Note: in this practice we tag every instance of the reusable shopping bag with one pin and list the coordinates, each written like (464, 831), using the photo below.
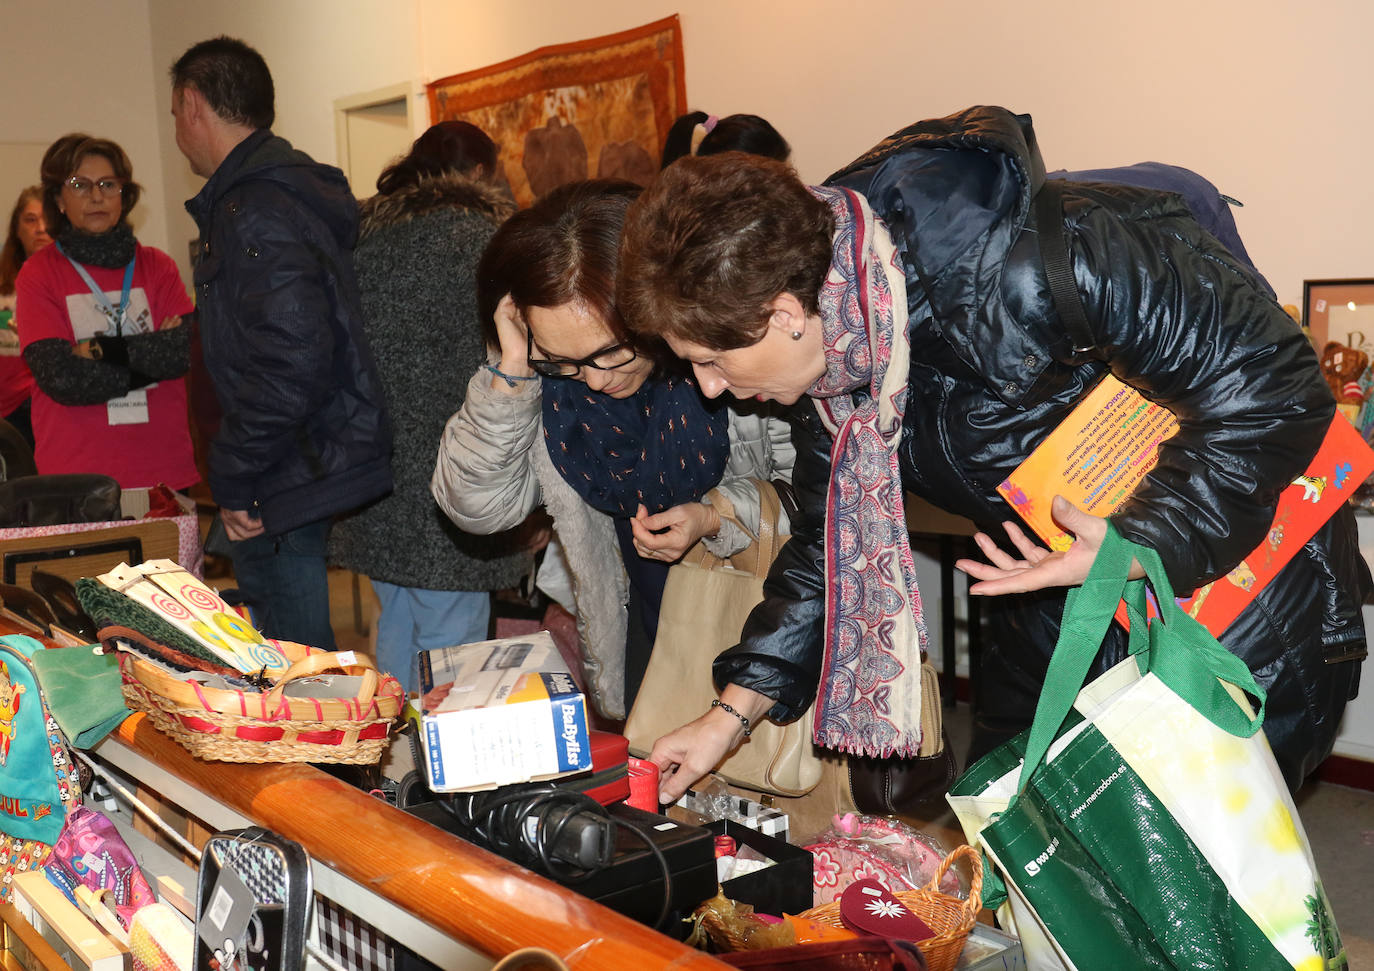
(1142, 822)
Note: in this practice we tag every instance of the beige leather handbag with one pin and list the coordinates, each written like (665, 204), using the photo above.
(705, 603)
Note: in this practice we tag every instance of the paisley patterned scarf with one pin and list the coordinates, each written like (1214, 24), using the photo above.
(661, 446)
(869, 701)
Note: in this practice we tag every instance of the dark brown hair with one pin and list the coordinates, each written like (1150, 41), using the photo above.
(64, 157)
(733, 133)
(449, 146)
(232, 77)
(12, 255)
(709, 246)
(563, 249)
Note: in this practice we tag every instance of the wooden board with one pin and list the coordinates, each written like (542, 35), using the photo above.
(89, 553)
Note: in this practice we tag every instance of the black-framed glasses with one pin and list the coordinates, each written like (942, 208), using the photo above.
(83, 187)
(606, 359)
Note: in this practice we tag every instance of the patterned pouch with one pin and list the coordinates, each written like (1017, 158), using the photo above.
(91, 853)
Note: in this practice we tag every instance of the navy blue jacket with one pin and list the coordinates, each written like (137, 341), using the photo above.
(304, 433)
(992, 373)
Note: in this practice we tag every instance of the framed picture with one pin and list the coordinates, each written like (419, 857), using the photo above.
(592, 108)
(1340, 311)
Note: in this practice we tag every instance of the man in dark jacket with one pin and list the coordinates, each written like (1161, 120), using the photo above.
(304, 434)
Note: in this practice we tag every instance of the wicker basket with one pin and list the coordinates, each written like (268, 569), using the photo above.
(949, 917)
(228, 725)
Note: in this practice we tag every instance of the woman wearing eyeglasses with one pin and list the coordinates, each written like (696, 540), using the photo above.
(569, 413)
(99, 323)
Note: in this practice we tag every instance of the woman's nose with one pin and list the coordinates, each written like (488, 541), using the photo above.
(710, 383)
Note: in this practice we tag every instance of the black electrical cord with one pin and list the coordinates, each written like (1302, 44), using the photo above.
(501, 821)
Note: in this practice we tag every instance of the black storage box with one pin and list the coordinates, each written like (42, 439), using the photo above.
(785, 887)
(632, 883)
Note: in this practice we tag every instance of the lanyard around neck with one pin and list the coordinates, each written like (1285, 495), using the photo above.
(116, 316)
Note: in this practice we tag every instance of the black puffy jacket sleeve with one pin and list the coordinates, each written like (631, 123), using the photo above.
(1180, 321)
(781, 645)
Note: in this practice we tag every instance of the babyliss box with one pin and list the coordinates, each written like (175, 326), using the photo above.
(499, 712)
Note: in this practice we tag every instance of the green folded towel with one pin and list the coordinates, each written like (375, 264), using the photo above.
(82, 691)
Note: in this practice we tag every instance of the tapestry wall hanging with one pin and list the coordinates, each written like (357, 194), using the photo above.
(597, 108)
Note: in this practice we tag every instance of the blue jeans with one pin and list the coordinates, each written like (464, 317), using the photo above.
(416, 620)
(284, 581)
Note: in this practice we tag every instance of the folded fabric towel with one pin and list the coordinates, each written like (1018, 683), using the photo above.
(82, 691)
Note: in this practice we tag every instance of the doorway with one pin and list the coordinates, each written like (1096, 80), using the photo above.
(372, 130)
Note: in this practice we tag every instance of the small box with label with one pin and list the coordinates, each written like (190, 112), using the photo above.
(499, 712)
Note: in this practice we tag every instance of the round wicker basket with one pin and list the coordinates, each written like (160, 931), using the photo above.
(230, 725)
(949, 917)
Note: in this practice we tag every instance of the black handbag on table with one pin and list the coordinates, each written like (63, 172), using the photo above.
(52, 500)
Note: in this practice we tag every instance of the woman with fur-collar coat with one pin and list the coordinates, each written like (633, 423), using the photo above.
(419, 243)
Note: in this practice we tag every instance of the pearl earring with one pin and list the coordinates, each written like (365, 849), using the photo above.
(796, 335)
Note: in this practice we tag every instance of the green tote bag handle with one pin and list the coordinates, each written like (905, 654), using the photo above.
(1173, 646)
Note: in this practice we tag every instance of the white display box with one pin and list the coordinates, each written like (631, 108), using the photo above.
(499, 712)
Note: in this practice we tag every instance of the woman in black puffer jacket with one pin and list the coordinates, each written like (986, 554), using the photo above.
(774, 290)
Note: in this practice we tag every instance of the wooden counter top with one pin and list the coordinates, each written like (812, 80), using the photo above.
(483, 900)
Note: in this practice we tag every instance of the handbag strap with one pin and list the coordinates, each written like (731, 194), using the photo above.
(759, 555)
(1172, 646)
(1054, 255)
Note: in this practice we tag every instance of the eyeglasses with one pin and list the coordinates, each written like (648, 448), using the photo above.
(607, 359)
(83, 187)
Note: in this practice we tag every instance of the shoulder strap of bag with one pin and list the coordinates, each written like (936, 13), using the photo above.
(1172, 646)
(1054, 253)
(761, 553)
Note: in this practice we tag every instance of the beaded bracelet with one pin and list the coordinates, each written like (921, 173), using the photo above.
(510, 379)
(717, 703)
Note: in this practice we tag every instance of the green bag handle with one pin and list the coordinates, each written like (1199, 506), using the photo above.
(1174, 647)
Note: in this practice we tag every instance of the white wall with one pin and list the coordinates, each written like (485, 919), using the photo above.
(318, 50)
(83, 66)
(1268, 99)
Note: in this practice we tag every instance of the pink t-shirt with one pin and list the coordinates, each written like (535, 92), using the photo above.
(139, 443)
(16, 383)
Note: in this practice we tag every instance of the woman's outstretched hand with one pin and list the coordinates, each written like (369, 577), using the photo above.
(688, 753)
(1038, 567)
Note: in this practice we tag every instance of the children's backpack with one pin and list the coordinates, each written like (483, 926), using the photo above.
(38, 782)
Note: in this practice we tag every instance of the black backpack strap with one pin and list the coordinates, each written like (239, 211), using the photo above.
(1054, 253)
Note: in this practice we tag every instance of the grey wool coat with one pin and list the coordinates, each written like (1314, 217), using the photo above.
(416, 261)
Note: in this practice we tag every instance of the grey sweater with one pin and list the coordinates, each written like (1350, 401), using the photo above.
(416, 261)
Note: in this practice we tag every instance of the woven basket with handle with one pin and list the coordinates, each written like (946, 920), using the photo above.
(949, 917)
(233, 725)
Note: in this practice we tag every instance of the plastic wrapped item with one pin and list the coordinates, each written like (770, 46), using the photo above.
(713, 799)
(898, 856)
(727, 925)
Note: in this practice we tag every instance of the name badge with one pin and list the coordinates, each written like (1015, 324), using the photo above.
(132, 409)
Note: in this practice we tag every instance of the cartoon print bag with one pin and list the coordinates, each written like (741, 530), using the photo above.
(38, 783)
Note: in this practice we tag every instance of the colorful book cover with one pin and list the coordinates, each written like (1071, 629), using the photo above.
(1099, 454)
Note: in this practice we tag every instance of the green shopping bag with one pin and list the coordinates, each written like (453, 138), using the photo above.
(1142, 822)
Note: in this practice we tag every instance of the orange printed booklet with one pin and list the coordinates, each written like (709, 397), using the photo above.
(1099, 454)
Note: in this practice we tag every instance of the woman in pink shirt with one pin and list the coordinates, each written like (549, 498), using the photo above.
(99, 323)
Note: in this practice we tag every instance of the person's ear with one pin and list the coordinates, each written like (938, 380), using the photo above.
(192, 102)
(788, 316)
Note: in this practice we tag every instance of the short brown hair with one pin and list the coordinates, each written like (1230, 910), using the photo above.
(64, 157)
(561, 250)
(713, 242)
